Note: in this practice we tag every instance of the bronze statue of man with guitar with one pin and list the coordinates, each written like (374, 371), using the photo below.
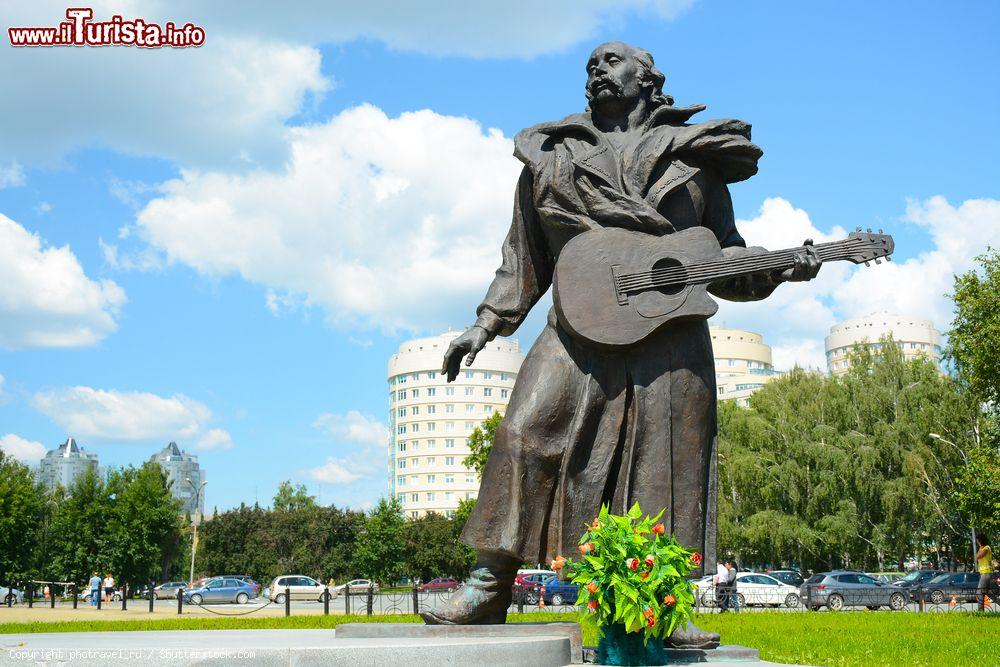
(624, 209)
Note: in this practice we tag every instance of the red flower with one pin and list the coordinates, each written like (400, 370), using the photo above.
(644, 575)
(595, 525)
(670, 600)
(592, 605)
(592, 587)
(632, 563)
(650, 621)
(650, 560)
(586, 548)
(696, 558)
(659, 529)
(558, 563)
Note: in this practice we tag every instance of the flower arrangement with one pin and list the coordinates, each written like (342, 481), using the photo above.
(632, 573)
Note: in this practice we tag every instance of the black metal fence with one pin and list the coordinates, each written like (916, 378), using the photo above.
(369, 601)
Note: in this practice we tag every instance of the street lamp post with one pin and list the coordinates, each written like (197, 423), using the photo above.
(965, 461)
(194, 536)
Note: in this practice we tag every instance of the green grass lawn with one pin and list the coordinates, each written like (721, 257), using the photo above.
(852, 638)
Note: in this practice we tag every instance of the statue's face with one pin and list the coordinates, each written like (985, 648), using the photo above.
(612, 75)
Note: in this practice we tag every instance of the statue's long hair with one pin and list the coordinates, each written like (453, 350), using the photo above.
(649, 74)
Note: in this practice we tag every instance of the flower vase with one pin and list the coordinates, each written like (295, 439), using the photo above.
(615, 646)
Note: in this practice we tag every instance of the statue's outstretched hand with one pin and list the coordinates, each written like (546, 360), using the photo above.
(469, 343)
(807, 264)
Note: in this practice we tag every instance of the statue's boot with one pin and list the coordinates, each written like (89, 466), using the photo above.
(484, 598)
(691, 636)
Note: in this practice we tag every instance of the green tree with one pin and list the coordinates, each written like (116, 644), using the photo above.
(977, 492)
(975, 331)
(22, 516)
(79, 530)
(289, 498)
(481, 443)
(822, 471)
(144, 522)
(380, 552)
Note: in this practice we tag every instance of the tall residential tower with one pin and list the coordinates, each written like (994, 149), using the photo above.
(430, 419)
(181, 467)
(914, 336)
(62, 465)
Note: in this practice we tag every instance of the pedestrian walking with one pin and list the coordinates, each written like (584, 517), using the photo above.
(109, 587)
(95, 588)
(984, 563)
(720, 581)
(734, 599)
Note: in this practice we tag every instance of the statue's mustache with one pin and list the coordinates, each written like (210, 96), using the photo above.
(608, 83)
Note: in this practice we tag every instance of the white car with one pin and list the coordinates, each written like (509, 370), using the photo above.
(356, 587)
(298, 587)
(752, 588)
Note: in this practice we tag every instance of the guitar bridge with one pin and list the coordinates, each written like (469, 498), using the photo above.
(619, 294)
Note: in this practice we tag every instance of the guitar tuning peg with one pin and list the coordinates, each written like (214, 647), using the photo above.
(878, 261)
(869, 230)
(888, 258)
(867, 264)
(857, 229)
(879, 230)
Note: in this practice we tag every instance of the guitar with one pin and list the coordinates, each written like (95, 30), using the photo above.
(613, 288)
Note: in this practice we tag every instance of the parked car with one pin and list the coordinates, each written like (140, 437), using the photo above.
(220, 589)
(116, 596)
(790, 577)
(847, 588)
(299, 587)
(243, 577)
(557, 592)
(439, 585)
(886, 577)
(752, 588)
(529, 581)
(165, 590)
(962, 586)
(11, 595)
(356, 587)
(913, 581)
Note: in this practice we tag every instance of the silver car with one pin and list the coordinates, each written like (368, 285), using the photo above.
(846, 588)
(298, 587)
(220, 589)
(11, 595)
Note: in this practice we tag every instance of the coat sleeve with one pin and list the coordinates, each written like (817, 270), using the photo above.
(720, 219)
(525, 273)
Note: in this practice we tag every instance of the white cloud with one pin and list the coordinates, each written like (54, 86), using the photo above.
(130, 416)
(798, 316)
(46, 300)
(215, 438)
(334, 471)
(25, 451)
(11, 175)
(43, 207)
(229, 100)
(354, 427)
(387, 222)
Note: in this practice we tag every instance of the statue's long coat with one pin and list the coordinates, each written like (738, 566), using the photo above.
(585, 427)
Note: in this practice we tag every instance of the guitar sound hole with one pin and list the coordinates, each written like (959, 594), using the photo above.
(668, 263)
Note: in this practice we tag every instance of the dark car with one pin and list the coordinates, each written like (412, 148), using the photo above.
(530, 582)
(557, 592)
(960, 586)
(439, 585)
(913, 581)
(790, 577)
(847, 588)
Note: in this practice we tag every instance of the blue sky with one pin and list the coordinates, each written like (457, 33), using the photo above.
(222, 246)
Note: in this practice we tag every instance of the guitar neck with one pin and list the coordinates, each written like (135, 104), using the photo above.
(708, 272)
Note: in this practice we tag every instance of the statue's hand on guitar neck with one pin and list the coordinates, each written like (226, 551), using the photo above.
(807, 265)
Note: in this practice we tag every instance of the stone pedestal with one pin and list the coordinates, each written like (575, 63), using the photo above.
(570, 631)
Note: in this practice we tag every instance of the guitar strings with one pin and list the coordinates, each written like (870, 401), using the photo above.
(705, 272)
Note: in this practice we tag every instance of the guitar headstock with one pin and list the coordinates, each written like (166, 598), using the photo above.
(868, 246)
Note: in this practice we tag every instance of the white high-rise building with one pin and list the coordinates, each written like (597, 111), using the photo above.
(181, 467)
(430, 419)
(742, 363)
(915, 337)
(62, 465)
